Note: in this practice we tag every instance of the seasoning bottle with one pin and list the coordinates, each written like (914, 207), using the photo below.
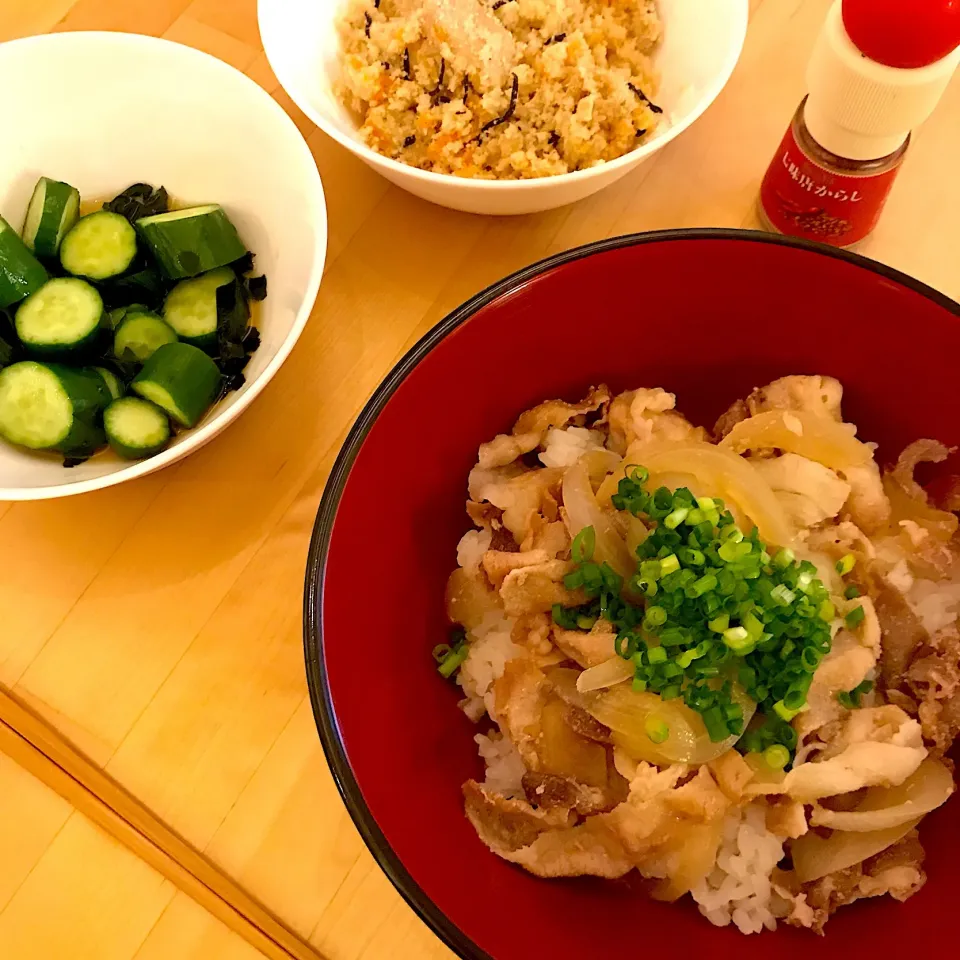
(878, 69)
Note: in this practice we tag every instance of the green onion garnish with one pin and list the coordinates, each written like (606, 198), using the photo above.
(776, 756)
(450, 657)
(584, 543)
(656, 729)
(699, 580)
(852, 592)
(854, 617)
(846, 564)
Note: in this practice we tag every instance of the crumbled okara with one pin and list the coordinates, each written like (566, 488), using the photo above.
(474, 35)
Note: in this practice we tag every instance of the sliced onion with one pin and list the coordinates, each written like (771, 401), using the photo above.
(818, 438)
(815, 856)
(637, 532)
(583, 510)
(721, 473)
(606, 674)
(903, 506)
(887, 807)
(600, 463)
(626, 712)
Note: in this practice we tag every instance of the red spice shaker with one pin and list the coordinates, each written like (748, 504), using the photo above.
(878, 70)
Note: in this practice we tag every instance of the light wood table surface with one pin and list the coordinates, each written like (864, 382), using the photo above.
(158, 624)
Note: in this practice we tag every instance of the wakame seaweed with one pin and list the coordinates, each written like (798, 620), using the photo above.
(236, 338)
(7, 353)
(142, 284)
(139, 200)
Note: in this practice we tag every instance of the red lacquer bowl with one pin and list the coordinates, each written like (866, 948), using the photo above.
(707, 314)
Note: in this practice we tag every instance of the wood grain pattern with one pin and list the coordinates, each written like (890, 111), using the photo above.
(42, 750)
(169, 648)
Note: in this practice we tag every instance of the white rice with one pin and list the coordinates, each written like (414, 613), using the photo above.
(936, 604)
(563, 448)
(505, 769)
(738, 890)
(471, 548)
(491, 646)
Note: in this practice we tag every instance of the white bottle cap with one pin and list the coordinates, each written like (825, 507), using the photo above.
(863, 110)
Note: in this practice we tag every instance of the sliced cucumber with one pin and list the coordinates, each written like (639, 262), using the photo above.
(136, 428)
(54, 209)
(192, 241)
(101, 245)
(114, 386)
(64, 314)
(47, 406)
(21, 273)
(181, 379)
(191, 307)
(140, 333)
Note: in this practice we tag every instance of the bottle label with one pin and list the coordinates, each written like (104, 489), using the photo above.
(803, 199)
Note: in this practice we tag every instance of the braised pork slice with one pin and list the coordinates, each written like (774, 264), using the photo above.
(821, 395)
(897, 871)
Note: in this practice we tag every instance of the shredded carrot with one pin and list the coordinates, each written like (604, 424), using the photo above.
(435, 150)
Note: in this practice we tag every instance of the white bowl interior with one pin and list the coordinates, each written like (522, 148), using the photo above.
(701, 43)
(102, 111)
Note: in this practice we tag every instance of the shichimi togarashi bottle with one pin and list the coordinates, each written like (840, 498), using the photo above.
(878, 70)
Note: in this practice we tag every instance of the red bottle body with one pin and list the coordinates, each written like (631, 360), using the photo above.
(811, 193)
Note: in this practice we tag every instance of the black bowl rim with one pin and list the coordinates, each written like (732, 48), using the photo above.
(323, 710)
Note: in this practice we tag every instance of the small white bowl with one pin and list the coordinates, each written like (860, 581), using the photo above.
(105, 110)
(701, 45)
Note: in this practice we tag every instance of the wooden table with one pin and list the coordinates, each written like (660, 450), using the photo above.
(163, 635)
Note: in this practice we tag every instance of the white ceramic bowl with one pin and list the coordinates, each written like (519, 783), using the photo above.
(104, 110)
(701, 45)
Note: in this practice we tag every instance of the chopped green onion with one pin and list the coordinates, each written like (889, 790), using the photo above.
(584, 543)
(686, 659)
(827, 610)
(719, 624)
(451, 662)
(854, 617)
(735, 635)
(670, 692)
(810, 658)
(573, 580)
(441, 651)
(852, 592)
(784, 712)
(657, 655)
(731, 534)
(639, 684)
(776, 757)
(716, 724)
(654, 617)
(656, 729)
(586, 623)
(669, 564)
(705, 584)
(846, 564)
(783, 595)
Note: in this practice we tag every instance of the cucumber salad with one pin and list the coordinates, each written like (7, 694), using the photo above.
(121, 326)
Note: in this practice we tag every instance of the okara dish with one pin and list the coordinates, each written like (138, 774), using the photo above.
(726, 661)
(131, 297)
(514, 89)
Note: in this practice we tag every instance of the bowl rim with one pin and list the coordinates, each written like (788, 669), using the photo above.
(392, 167)
(323, 710)
(201, 435)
